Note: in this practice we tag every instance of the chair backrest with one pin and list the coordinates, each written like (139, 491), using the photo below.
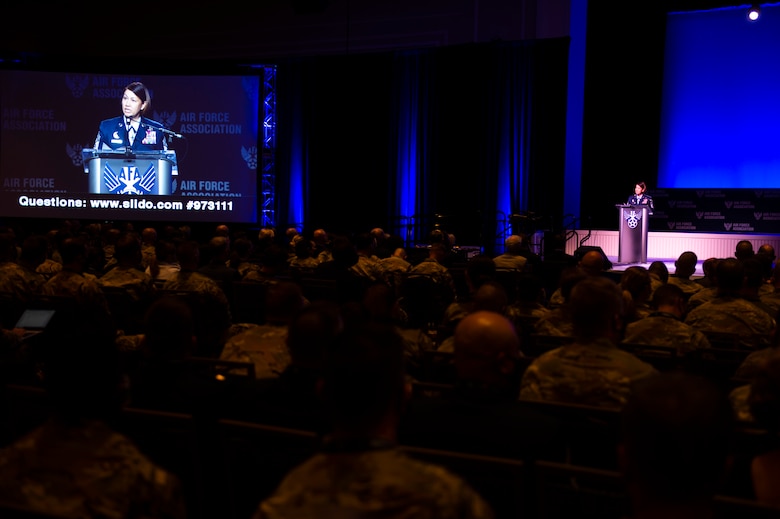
(219, 368)
(255, 457)
(502, 482)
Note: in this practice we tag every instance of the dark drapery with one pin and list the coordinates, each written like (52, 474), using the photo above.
(460, 137)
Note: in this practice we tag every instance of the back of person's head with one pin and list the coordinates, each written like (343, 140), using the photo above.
(597, 308)
(169, 330)
(668, 294)
(529, 288)
(364, 380)
(514, 244)
(768, 249)
(218, 248)
(764, 399)
(744, 249)
(380, 302)
(165, 251)
(686, 264)
(312, 332)
(188, 253)
(569, 277)
(8, 250)
(676, 439)
(754, 273)
(491, 296)
(364, 242)
(72, 250)
(592, 262)
(33, 250)
(730, 276)
(479, 269)
(128, 248)
(81, 365)
(283, 300)
(659, 269)
(487, 346)
(636, 281)
(709, 266)
(344, 253)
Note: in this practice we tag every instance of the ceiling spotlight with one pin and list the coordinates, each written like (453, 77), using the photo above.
(754, 12)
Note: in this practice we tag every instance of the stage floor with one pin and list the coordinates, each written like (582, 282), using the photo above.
(667, 246)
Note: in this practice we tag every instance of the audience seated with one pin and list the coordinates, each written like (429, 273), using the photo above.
(479, 270)
(208, 300)
(744, 250)
(264, 345)
(592, 370)
(685, 267)
(73, 283)
(165, 264)
(512, 258)
(675, 446)
(360, 471)
(664, 326)
(127, 272)
(771, 299)
(659, 274)
(18, 277)
(729, 312)
(481, 413)
(592, 263)
(636, 284)
(76, 464)
(559, 320)
(433, 267)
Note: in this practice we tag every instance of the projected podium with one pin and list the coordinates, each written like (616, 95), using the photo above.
(123, 173)
(633, 225)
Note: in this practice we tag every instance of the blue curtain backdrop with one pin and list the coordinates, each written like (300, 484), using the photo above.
(459, 138)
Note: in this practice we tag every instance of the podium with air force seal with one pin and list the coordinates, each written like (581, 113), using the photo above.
(633, 225)
(126, 173)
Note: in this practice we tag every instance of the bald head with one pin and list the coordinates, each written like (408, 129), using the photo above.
(486, 345)
(592, 262)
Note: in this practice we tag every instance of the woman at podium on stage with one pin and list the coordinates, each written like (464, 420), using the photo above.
(131, 131)
(641, 198)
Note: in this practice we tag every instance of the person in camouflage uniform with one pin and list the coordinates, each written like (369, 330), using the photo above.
(265, 345)
(664, 326)
(730, 313)
(367, 266)
(18, 276)
(512, 258)
(127, 273)
(592, 370)
(394, 268)
(211, 305)
(433, 268)
(685, 267)
(73, 282)
(360, 470)
(76, 464)
(148, 250)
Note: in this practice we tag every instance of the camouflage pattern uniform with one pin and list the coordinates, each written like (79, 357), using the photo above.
(733, 315)
(48, 268)
(265, 346)
(23, 283)
(393, 270)
(753, 362)
(148, 254)
(664, 329)
(440, 275)
(597, 374)
(739, 402)
(771, 300)
(86, 471)
(689, 286)
(139, 284)
(373, 483)
(367, 267)
(510, 262)
(555, 322)
(701, 297)
(84, 288)
(197, 282)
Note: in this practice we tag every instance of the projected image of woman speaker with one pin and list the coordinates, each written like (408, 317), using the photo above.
(131, 155)
(131, 131)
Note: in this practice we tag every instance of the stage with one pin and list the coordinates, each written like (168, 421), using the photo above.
(667, 246)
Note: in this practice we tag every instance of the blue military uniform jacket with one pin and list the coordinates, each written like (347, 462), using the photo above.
(113, 134)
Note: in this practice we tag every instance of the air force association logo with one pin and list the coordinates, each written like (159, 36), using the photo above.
(632, 218)
(129, 181)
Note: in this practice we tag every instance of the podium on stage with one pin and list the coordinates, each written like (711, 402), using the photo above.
(130, 173)
(633, 225)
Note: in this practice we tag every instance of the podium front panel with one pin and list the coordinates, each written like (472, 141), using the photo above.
(130, 174)
(633, 226)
